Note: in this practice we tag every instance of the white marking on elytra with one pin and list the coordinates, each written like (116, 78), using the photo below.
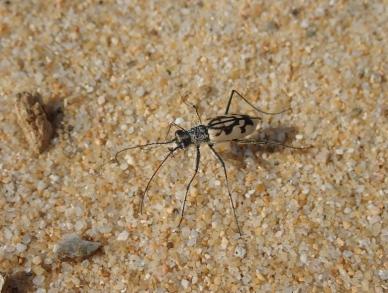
(230, 127)
(225, 128)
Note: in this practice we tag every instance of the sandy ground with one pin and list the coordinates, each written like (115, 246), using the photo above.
(116, 73)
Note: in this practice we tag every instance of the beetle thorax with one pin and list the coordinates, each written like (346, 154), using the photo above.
(199, 134)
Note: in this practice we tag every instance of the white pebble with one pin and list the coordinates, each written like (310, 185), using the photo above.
(129, 159)
(224, 243)
(360, 188)
(54, 178)
(249, 193)
(194, 279)
(20, 247)
(383, 274)
(79, 225)
(7, 234)
(115, 41)
(40, 185)
(193, 238)
(304, 23)
(140, 92)
(38, 280)
(9, 248)
(373, 219)
(347, 253)
(347, 210)
(179, 120)
(279, 234)
(123, 236)
(240, 251)
(101, 100)
(339, 151)
(38, 77)
(185, 284)
(303, 258)
(130, 130)
(36, 260)
(373, 210)
(105, 229)
(185, 232)
(299, 136)
(89, 88)
(123, 166)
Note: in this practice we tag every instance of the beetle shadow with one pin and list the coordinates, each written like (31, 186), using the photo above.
(55, 113)
(281, 134)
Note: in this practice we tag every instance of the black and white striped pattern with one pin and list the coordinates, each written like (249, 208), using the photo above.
(232, 126)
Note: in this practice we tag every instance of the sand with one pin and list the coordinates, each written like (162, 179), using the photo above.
(114, 74)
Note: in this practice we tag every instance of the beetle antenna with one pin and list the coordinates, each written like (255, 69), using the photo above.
(141, 146)
(171, 151)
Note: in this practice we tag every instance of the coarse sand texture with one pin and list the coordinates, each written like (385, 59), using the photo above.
(81, 80)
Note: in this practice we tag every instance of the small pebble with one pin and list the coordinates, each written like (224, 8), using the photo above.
(129, 159)
(123, 166)
(20, 247)
(339, 151)
(249, 193)
(7, 234)
(140, 92)
(54, 178)
(38, 280)
(101, 100)
(123, 236)
(224, 243)
(41, 185)
(79, 225)
(36, 260)
(383, 274)
(347, 253)
(185, 284)
(347, 210)
(179, 120)
(73, 246)
(240, 251)
(303, 258)
(33, 120)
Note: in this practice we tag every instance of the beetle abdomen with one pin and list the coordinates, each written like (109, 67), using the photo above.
(232, 126)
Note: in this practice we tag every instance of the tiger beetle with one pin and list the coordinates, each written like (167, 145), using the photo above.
(225, 128)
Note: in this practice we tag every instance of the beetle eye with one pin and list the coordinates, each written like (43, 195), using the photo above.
(179, 132)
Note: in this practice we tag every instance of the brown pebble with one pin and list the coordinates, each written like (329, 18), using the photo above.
(17, 282)
(32, 118)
